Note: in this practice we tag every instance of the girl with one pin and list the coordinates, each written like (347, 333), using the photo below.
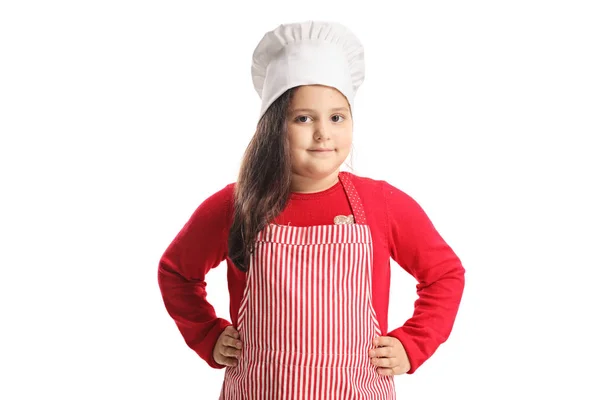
(308, 246)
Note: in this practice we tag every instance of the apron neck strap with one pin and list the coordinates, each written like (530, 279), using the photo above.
(355, 202)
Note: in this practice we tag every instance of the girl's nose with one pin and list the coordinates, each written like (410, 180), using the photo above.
(321, 133)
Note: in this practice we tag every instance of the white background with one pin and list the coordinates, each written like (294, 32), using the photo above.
(118, 118)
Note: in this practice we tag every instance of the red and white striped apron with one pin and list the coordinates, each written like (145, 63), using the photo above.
(306, 318)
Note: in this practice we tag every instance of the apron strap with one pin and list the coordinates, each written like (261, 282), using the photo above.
(355, 202)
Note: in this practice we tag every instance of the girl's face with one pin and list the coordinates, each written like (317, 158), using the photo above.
(318, 119)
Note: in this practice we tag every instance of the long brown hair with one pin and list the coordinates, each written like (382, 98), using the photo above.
(264, 181)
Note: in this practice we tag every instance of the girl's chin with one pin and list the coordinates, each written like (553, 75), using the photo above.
(317, 170)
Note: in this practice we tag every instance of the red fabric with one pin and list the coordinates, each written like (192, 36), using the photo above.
(400, 228)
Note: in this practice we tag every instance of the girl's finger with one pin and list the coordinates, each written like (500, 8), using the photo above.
(230, 352)
(385, 371)
(381, 352)
(229, 361)
(232, 342)
(383, 341)
(385, 362)
(231, 331)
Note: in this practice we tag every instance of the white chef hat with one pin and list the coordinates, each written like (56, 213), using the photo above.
(307, 53)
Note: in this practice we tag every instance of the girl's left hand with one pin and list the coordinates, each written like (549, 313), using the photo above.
(390, 356)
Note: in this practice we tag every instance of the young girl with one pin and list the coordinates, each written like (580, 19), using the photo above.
(308, 246)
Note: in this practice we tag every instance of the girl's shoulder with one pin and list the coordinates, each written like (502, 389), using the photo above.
(219, 204)
(369, 183)
(223, 195)
(378, 189)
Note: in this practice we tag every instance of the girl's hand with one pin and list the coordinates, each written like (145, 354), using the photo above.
(226, 351)
(390, 355)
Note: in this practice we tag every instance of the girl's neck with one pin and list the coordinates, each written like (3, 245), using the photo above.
(301, 184)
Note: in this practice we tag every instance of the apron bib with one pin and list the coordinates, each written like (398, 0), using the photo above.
(306, 318)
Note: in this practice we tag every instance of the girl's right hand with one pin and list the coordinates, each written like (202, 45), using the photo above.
(227, 349)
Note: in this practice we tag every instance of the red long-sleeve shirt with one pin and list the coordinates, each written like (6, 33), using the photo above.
(400, 229)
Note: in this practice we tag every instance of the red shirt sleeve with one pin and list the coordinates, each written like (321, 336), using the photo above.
(200, 246)
(418, 248)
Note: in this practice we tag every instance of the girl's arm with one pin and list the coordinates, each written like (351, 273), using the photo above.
(200, 246)
(416, 246)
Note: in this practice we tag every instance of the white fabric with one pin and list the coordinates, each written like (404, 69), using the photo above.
(305, 53)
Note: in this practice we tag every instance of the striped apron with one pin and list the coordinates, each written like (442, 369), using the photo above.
(306, 319)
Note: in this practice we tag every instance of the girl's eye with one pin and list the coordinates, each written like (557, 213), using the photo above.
(299, 119)
(341, 117)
